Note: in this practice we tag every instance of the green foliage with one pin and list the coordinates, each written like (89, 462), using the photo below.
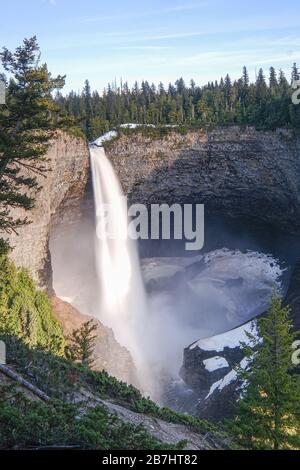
(149, 132)
(129, 396)
(27, 123)
(260, 104)
(25, 423)
(81, 344)
(74, 131)
(26, 312)
(52, 373)
(268, 415)
(62, 379)
(98, 127)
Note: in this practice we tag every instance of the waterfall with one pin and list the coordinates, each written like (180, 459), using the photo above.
(122, 304)
(228, 289)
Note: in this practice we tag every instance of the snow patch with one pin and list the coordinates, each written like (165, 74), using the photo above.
(113, 133)
(105, 138)
(230, 339)
(214, 363)
(228, 379)
(235, 286)
(263, 266)
(133, 125)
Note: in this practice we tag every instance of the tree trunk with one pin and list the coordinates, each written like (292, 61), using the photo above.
(13, 375)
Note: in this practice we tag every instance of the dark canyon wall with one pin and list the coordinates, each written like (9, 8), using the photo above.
(239, 173)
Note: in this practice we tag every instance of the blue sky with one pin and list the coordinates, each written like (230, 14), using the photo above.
(157, 40)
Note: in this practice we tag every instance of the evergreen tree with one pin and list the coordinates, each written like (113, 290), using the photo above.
(272, 78)
(261, 86)
(192, 86)
(180, 86)
(27, 123)
(283, 83)
(295, 72)
(227, 91)
(268, 412)
(82, 344)
(263, 105)
(88, 108)
(245, 76)
(161, 89)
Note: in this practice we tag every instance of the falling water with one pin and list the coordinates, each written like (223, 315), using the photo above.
(123, 300)
(230, 288)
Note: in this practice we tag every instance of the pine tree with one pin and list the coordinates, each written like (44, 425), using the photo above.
(261, 86)
(180, 85)
(27, 123)
(268, 412)
(272, 78)
(295, 72)
(161, 89)
(82, 344)
(227, 91)
(88, 107)
(261, 104)
(283, 83)
(245, 76)
(192, 86)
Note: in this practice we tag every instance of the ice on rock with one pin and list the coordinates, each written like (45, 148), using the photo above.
(230, 339)
(105, 138)
(214, 363)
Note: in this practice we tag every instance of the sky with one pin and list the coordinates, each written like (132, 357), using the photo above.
(155, 41)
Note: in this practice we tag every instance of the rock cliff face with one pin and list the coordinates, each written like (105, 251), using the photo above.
(209, 370)
(64, 184)
(109, 355)
(239, 173)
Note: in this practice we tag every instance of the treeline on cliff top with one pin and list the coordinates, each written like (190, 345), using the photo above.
(266, 103)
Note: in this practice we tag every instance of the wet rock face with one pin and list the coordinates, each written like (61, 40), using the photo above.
(195, 373)
(209, 369)
(61, 193)
(239, 173)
